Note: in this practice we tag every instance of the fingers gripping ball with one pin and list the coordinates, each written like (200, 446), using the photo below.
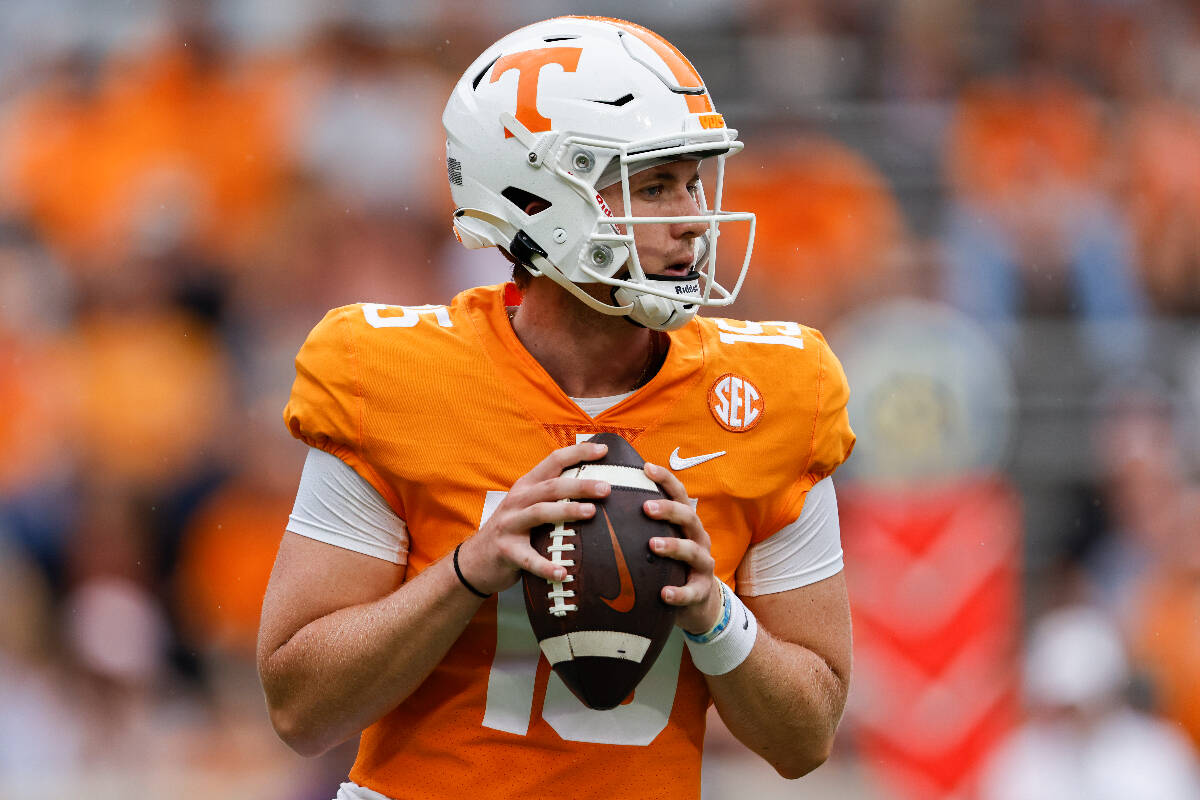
(602, 627)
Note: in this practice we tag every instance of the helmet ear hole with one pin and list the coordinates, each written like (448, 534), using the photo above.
(528, 202)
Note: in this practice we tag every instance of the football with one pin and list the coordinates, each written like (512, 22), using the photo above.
(602, 627)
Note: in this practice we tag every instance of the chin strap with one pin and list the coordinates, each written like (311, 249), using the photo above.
(659, 313)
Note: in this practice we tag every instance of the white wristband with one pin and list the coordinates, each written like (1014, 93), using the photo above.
(730, 647)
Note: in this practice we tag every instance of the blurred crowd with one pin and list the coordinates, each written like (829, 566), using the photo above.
(186, 187)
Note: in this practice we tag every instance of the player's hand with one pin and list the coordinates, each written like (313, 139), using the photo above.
(492, 559)
(699, 598)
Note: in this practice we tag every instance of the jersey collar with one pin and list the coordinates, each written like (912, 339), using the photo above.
(545, 402)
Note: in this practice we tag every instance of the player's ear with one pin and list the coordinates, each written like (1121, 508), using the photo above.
(536, 206)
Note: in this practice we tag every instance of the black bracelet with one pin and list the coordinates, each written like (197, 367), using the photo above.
(464, 581)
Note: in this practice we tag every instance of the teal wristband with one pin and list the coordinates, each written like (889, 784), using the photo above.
(715, 630)
(729, 643)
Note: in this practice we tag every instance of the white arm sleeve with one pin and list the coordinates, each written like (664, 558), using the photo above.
(806, 551)
(336, 505)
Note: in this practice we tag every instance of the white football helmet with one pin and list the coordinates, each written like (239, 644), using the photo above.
(560, 109)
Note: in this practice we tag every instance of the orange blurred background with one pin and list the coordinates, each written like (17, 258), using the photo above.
(993, 210)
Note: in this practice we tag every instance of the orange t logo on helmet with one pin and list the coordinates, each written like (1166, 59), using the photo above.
(528, 65)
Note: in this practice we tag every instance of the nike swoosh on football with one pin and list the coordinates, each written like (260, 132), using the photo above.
(623, 602)
(678, 463)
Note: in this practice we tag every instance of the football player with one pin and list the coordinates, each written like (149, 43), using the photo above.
(438, 435)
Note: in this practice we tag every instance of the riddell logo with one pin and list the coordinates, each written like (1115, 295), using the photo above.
(691, 288)
(735, 403)
(603, 206)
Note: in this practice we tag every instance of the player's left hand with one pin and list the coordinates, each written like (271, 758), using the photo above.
(699, 598)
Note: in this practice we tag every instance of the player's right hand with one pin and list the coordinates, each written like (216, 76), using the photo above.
(493, 559)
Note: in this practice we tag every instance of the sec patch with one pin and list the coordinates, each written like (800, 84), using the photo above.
(736, 403)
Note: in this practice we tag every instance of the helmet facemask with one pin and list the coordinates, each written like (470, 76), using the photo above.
(666, 302)
(608, 253)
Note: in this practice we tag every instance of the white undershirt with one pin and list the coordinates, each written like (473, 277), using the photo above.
(336, 505)
(806, 551)
(595, 406)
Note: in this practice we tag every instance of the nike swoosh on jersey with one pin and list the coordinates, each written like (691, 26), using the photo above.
(678, 463)
(623, 602)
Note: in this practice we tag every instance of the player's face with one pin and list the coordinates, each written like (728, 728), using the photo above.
(669, 190)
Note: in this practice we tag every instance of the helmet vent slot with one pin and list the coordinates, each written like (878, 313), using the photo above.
(559, 38)
(620, 101)
(528, 202)
(482, 72)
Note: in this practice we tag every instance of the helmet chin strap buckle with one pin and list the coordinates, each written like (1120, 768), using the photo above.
(537, 144)
(661, 313)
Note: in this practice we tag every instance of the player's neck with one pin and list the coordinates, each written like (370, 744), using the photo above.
(587, 353)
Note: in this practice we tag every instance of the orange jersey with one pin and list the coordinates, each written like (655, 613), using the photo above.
(441, 409)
